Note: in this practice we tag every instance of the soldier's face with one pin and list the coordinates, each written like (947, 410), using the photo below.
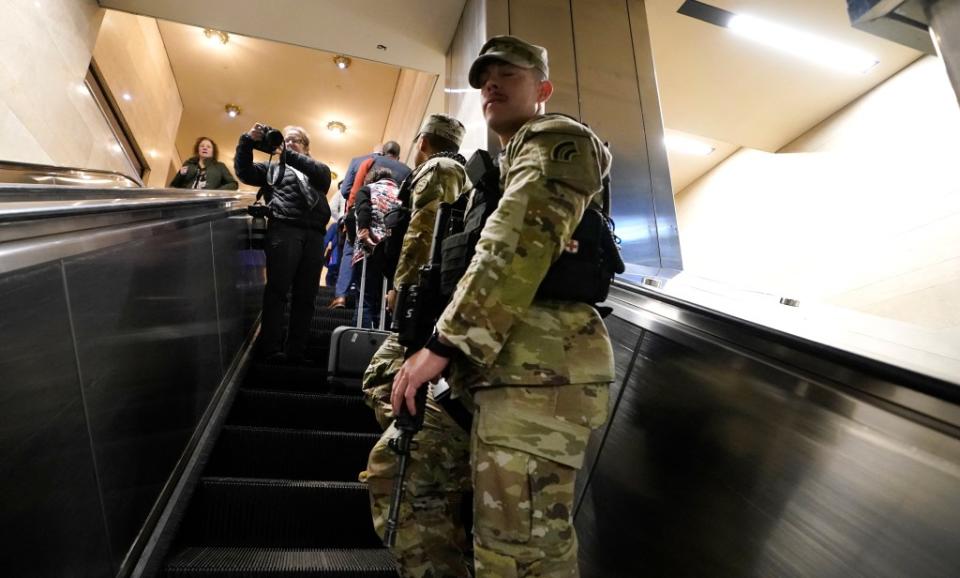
(511, 96)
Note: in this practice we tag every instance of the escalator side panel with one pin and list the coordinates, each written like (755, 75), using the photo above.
(721, 464)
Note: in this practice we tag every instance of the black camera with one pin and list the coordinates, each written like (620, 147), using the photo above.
(258, 211)
(272, 139)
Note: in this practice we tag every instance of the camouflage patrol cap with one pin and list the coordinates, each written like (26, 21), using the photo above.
(443, 126)
(512, 50)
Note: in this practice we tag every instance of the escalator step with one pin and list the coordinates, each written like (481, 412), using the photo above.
(279, 513)
(292, 454)
(282, 563)
(260, 407)
(291, 377)
(332, 318)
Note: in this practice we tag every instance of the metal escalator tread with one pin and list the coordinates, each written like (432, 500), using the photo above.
(278, 513)
(300, 409)
(272, 452)
(280, 562)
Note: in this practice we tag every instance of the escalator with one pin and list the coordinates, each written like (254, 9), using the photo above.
(279, 495)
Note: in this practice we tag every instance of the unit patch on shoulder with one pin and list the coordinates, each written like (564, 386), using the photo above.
(564, 151)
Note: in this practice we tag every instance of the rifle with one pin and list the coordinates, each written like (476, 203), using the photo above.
(418, 308)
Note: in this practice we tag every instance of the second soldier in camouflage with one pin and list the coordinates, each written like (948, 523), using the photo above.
(430, 542)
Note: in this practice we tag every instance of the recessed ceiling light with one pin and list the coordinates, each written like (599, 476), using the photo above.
(342, 62)
(126, 96)
(381, 47)
(336, 127)
(334, 176)
(154, 154)
(687, 146)
(233, 111)
(216, 36)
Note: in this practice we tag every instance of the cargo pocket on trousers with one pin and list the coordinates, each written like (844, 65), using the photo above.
(501, 494)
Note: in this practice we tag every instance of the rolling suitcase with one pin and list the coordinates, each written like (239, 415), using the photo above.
(352, 347)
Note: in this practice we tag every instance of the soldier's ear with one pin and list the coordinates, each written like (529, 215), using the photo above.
(545, 91)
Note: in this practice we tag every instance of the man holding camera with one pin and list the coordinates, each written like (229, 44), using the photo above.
(295, 193)
(536, 371)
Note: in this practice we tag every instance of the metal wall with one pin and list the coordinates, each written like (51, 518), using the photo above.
(728, 455)
(108, 359)
(602, 68)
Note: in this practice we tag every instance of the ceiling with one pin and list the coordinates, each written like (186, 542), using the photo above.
(734, 93)
(416, 33)
(723, 89)
(276, 84)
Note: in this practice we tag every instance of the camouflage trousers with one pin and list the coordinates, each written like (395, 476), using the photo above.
(520, 459)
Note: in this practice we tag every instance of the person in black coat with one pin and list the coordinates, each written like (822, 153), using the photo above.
(297, 222)
(203, 170)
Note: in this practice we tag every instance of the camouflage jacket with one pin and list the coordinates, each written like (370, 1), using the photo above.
(439, 179)
(550, 171)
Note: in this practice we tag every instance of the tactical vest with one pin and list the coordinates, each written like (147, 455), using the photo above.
(397, 220)
(583, 272)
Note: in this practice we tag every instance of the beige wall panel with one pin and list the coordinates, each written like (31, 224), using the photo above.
(41, 85)
(133, 60)
(548, 24)
(861, 212)
(413, 94)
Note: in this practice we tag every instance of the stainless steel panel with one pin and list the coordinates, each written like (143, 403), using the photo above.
(25, 173)
(461, 101)
(147, 339)
(16, 255)
(719, 462)
(50, 509)
(610, 104)
(240, 276)
(945, 28)
(665, 210)
(548, 23)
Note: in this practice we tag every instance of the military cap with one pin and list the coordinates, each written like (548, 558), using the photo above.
(443, 126)
(512, 50)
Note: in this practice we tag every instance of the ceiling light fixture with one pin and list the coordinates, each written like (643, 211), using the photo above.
(233, 111)
(342, 62)
(336, 127)
(802, 44)
(126, 96)
(334, 176)
(216, 36)
(687, 146)
(381, 47)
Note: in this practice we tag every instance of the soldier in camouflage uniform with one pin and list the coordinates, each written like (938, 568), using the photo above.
(536, 371)
(430, 542)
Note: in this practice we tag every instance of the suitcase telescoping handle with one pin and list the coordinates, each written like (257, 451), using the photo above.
(363, 288)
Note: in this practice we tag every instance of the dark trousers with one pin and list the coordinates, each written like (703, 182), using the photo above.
(373, 288)
(294, 262)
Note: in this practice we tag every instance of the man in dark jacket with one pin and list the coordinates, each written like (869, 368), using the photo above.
(295, 232)
(389, 159)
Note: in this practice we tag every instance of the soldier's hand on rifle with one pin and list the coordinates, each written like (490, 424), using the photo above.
(391, 300)
(421, 367)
